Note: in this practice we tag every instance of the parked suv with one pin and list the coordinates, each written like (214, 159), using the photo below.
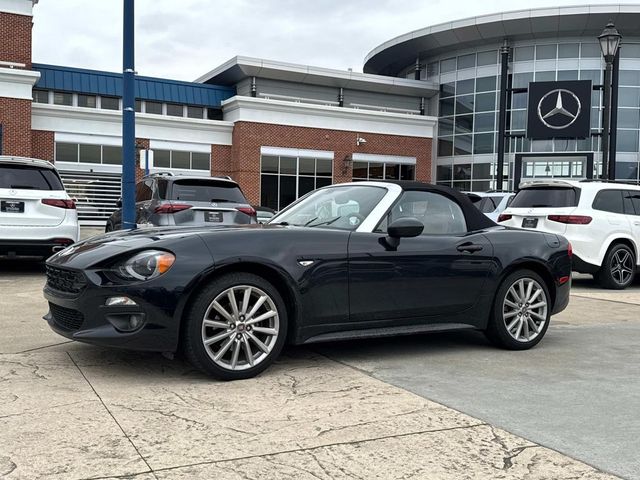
(166, 200)
(600, 219)
(37, 216)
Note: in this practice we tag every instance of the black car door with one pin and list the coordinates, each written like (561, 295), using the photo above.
(438, 273)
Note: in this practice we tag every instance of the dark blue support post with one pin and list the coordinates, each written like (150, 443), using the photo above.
(128, 120)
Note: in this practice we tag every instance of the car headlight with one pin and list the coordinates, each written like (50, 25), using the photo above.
(145, 265)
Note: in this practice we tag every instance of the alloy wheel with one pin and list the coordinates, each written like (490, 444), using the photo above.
(524, 309)
(240, 327)
(622, 266)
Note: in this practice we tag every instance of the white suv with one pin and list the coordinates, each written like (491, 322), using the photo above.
(37, 216)
(600, 219)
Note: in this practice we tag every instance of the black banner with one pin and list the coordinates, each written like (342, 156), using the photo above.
(559, 109)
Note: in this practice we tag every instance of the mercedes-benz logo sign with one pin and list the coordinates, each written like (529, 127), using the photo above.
(559, 108)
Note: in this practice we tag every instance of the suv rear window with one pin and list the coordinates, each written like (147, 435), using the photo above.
(541, 197)
(30, 178)
(206, 191)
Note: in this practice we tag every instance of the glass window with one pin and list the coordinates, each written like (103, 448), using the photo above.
(195, 112)
(483, 143)
(630, 50)
(66, 152)
(518, 119)
(567, 75)
(445, 147)
(628, 118)
(138, 106)
(324, 167)
(205, 190)
(305, 185)
(485, 102)
(87, 101)
(464, 123)
(392, 171)
(485, 84)
(162, 158)
(444, 172)
(462, 145)
(464, 104)
(593, 75)
(360, 170)
(90, 153)
(466, 61)
(143, 191)
(546, 197)
(630, 77)
(481, 170)
(447, 106)
(439, 214)
(522, 54)
(269, 164)
(568, 50)
(545, 76)
(111, 155)
(627, 141)
(287, 190)
(174, 110)
(29, 177)
(487, 58)
(110, 103)
(608, 201)
(269, 191)
(627, 171)
(288, 165)
(519, 100)
(200, 161)
(307, 166)
(40, 96)
(521, 80)
(180, 159)
(407, 172)
(464, 86)
(590, 50)
(629, 97)
(62, 98)
(447, 89)
(445, 127)
(376, 171)
(448, 65)
(484, 122)
(546, 52)
(153, 107)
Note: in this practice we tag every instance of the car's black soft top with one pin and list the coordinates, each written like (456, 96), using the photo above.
(476, 220)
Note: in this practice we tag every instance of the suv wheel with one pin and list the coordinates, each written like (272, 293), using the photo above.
(618, 268)
(236, 327)
(521, 311)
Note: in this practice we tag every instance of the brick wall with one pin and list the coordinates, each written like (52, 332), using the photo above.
(248, 137)
(43, 145)
(16, 45)
(15, 117)
(221, 160)
(141, 144)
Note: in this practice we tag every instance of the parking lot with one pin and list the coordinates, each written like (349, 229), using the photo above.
(430, 406)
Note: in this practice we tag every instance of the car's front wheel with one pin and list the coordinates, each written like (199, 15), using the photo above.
(521, 311)
(618, 268)
(236, 327)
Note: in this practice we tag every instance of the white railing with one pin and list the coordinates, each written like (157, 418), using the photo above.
(379, 108)
(289, 98)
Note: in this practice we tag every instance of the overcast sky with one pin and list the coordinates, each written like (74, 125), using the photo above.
(183, 39)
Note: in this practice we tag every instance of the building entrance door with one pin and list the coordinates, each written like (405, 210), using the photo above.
(541, 166)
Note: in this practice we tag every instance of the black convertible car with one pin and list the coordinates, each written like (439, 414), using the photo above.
(352, 260)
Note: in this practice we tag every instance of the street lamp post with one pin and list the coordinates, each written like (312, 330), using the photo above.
(609, 43)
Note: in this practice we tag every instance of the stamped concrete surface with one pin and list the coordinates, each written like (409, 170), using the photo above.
(73, 411)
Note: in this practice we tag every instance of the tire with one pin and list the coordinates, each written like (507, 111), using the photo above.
(211, 316)
(618, 268)
(512, 322)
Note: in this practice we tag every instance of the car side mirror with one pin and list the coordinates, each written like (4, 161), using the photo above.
(119, 203)
(402, 228)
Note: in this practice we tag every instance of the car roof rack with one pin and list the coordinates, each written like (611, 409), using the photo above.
(159, 174)
(602, 180)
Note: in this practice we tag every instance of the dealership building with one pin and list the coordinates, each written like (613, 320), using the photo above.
(428, 107)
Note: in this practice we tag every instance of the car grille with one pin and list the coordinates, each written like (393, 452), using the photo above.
(66, 318)
(65, 280)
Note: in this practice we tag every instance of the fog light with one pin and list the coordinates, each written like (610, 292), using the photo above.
(117, 301)
(135, 321)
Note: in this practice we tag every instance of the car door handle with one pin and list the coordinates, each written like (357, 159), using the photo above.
(469, 247)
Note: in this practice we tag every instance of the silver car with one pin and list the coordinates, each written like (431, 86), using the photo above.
(166, 200)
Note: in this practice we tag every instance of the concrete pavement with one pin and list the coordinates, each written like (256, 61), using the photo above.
(72, 411)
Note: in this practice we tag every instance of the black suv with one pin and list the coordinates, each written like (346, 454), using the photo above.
(166, 200)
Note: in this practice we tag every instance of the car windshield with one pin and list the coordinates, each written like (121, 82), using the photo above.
(27, 177)
(544, 197)
(344, 207)
(206, 191)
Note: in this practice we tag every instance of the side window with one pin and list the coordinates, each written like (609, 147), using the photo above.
(631, 202)
(439, 214)
(143, 191)
(162, 189)
(609, 201)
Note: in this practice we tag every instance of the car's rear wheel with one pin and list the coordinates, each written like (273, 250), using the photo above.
(618, 268)
(521, 311)
(236, 327)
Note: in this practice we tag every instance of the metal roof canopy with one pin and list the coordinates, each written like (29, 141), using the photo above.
(575, 21)
(239, 68)
(95, 82)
